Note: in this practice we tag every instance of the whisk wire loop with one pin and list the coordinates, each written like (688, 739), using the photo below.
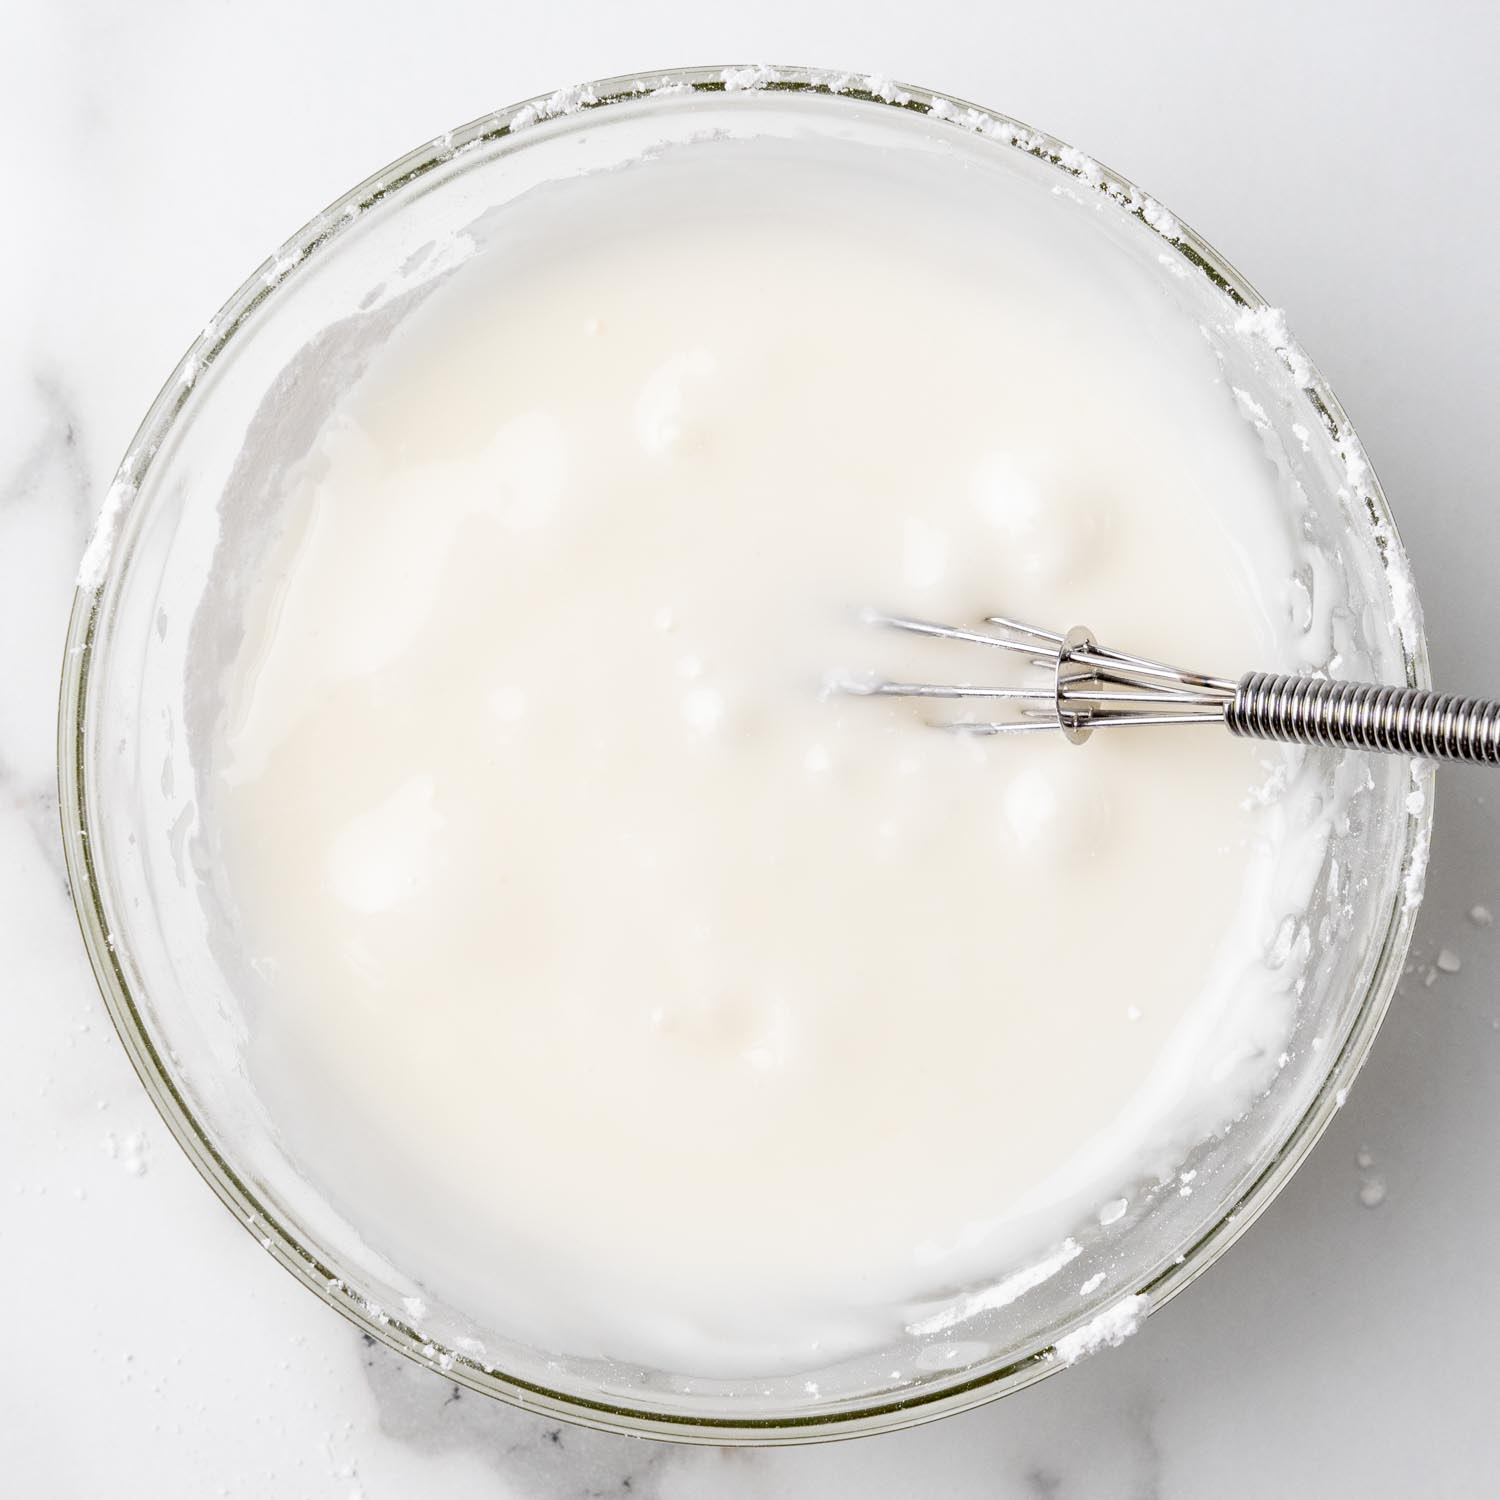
(1095, 687)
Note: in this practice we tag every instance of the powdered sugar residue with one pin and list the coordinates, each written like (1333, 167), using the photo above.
(101, 545)
(883, 88)
(566, 101)
(755, 77)
(1269, 325)
(1106, 1330)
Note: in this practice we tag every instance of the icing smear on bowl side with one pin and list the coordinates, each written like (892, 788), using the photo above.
(627, 991)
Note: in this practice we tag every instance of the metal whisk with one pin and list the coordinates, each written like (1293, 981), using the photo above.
(1093, 687)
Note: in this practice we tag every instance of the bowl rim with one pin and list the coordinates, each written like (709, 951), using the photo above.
(506, 129)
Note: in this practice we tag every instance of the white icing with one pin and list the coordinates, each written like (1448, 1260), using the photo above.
(632, 992)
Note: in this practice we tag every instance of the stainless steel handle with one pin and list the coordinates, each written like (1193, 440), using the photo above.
(1365, 716)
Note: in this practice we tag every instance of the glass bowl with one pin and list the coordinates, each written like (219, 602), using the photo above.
(151, 609)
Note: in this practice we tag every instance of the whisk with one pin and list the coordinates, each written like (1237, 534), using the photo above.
(1093, 687)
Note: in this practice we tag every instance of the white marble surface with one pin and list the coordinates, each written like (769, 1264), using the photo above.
(1340, 157)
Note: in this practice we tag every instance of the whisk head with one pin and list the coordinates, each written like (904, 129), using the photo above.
(1087, 686)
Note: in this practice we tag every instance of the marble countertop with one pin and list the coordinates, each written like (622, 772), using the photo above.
(1337, 153)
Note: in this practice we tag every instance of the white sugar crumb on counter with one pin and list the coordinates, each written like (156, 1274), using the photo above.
(129, 1150)
(1448, 961)
(1107, 1330)
(1481, 916)
(1113, 1210)
(1371, 1192)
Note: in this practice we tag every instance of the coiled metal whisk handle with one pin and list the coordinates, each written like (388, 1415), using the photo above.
(1365, 716)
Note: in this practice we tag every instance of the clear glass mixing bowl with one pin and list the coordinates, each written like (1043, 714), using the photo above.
(152, 609)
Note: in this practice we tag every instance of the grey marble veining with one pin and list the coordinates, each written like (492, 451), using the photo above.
(1343, 1348)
